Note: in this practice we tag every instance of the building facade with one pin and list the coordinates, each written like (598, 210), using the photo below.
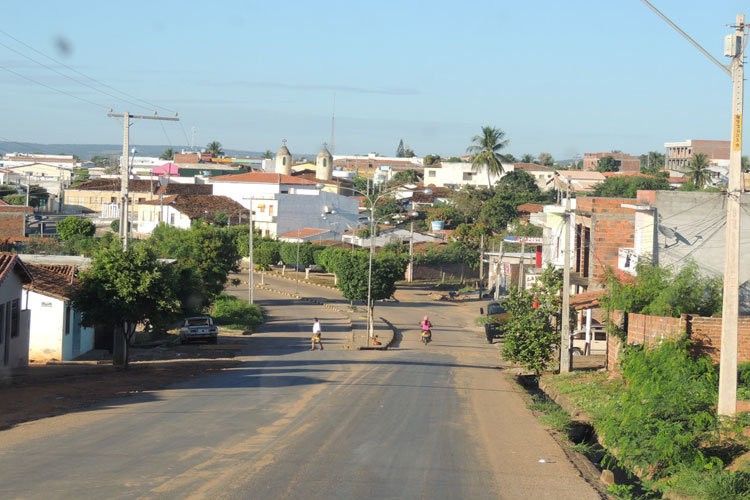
(625, 162)
(456, 174)
(678, 154)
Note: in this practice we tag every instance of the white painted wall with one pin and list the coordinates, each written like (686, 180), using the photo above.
(16, 349)
(454, 175)
(47, 338)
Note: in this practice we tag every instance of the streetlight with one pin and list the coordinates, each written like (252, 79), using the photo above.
(373, 234)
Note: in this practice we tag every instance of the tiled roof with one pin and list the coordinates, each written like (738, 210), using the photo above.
(586, 300)
(531, 208)
(201, 206)
(310, 176)
(180, 188)
(531, 167)
(581, 174)
(263, 178)
(111, 184)
(54, 280)
(305, 232)
(12, 262)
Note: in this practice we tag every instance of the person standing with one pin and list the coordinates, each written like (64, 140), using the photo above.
(316, 335)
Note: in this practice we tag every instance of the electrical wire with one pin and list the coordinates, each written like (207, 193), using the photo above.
(53, 88)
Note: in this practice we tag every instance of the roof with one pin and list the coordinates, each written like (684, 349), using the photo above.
(113, 184)
(197, 206)
(531, 208)
(530, 167)
(53, 280)
(180, 188)
(588, 175)
(283, 151)
(586, 300)
(620, 174)
(262, 178)
(305, 232)
(12, 262)
(310, 176)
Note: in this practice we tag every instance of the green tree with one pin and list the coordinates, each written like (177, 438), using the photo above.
(627, 186)
(530, 335)
(400, 151)
(485, 152)
(73, 227)
(519, 181)
(652, 162)
(268, 154)
(405, 177)
(266, 255)
(126, 288)
(527, 158)
(409, 152)
(745, 164)
(469, 200)
(497, 212)
(214, 147)
(470, 235)
(449, 214)
(352, 272)
(698, 170)
(608, 164)
(15, 199)
(168, 154)
(6, 190)
(546, 159)
(508, 158)
(430, 160)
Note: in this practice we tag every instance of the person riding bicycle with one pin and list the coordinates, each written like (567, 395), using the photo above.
(426, 327)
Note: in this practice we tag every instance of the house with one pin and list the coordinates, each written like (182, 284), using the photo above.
(389, 234)
(282, 203)
(580, 181)
(55, 331)
(14, 321)
(102, 196)
(678, 154)
(370, 165)
(304, 234)
(525, 211)
(180, 210)
(542, 175)
(456, 174)
(38, 171)
(13, 220)
(625, 162)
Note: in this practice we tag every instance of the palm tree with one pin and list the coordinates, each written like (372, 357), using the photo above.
(268, 154)
(485, 151)
(168, 154)
(214, 147)
(698, 170)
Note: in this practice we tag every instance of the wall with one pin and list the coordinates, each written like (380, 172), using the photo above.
(13, 221)
(16, 348)
(46, 329)
(452, 175)
(452, 271)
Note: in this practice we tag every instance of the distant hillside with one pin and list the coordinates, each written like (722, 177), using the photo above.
(87, 151)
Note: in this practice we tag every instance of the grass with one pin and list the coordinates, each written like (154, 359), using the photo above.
(236, 314)
(715, 485)
(553, 416)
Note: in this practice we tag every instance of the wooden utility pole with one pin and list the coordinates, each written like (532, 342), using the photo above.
(125, 168)
(565, 357)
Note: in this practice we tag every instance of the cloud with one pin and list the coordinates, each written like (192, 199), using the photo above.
(333, 88)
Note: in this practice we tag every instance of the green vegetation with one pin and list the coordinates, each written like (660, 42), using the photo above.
(75, 227)
(545, 159)
(627, 186)
(553, 416)
(486, 152)
(352, 271)
(214, 147)
(236, 314)
(530, 334)
(608, 164)
(168, 154)
(698, 170)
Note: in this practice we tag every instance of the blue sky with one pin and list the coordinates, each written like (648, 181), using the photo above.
(560, 77)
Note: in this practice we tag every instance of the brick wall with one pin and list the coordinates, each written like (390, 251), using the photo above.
(13, 221)
(650, 330)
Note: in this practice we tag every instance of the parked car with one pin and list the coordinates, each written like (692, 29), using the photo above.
(598, 341)
(199, 328)
(496, 316)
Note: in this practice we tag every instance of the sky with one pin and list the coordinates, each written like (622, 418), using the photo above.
(564, 77)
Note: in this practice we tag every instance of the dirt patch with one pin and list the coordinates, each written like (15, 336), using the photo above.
(47, 390)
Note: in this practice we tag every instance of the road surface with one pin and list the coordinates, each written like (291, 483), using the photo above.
(413, 422)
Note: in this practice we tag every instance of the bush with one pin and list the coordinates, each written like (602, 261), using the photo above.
(266, 255)
(15, 199)
(236, 314)
(665, 416)
(75, 227)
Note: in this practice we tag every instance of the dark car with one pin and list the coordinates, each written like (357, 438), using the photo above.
(496, 316)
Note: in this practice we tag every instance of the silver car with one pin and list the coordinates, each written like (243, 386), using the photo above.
(199, 328)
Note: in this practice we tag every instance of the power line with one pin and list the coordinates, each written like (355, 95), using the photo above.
(54, 89)
(150, 105)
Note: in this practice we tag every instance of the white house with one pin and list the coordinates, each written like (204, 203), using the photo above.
(55, 330)
(14, 322)
(456, 174)
(180, 210)
(552, 221)
(541, 174)
(283, 203)
(390, 235)
(38, 171)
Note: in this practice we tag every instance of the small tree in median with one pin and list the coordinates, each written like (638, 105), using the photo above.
(353, 271)
(123, 289)
(74, 227)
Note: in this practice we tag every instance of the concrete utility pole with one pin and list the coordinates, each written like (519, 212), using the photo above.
(251, 264)
(565, 357)
(497, 273)
(521, 284)
(125, 170)
(481, 261)
(734, 47)
(411, 252)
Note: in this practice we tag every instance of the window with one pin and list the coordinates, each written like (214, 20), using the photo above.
(171, 219)
(67, 320)
(467, 176)
(431, 173)
(325, 162)
(283, 160)
(14, 317)
(270, 210)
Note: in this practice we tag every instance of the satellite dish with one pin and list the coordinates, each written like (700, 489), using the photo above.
(669, 233)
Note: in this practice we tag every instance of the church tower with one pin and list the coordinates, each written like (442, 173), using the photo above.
(284, 160)
(324, 164)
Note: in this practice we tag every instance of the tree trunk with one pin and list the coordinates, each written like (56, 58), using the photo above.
(119, 347)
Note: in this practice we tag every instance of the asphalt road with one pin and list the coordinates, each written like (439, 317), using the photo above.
(413, 422)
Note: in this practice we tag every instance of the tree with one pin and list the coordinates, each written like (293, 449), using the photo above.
(214, 147)
(449, 214)
(485, 152)
(627, 186)
(608, 164)
(123, 289)
(430, 160)
(168, 154)
(409, 153)
(470, 235)
(400, 151)
(508, 158)
(266, 255)
(15, 199)
(268, 154)
(546, 159)
(6, 190)
(652, 162)
(519, 181)
(745, 164)
(469, 200)
(530, 335)
(73, 227)
(527, 158)
(698, 170)
(352, 272)
(405, 177)
(497, 212)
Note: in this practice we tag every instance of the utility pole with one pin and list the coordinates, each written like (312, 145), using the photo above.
(125, 170)
(411, 252)
(565, 357)
(520, 266)
(251, 264)
(481, 262)
(734, 47)
(497, 273)
(28, 188)
(296, 267)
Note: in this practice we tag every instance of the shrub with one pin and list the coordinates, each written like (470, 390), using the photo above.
(15, 199)
(75, 227)
(666, 412)
(235, 313)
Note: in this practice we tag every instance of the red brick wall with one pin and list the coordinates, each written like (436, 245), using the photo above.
(643, 329)
(706, 332)
(13, 221)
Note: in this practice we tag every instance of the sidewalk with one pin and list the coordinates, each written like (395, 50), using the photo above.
(330, 298)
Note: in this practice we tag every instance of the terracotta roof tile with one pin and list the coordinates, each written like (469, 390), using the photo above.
(12, 262)
(305, 232)
(111, 184)
(201, 206)
(54, 280)
(262, 177)
(180, 188)
(531, 208)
